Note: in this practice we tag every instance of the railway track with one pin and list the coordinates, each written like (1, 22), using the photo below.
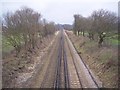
(65, 71)
(49, 77)
(77, 69)
(58, 70)
(62, 76)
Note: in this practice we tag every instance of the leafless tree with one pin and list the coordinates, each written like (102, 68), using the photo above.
(103, 23)
(76, 26)
(22, 28)
(25, 28)
(12, 31)
(79, 24)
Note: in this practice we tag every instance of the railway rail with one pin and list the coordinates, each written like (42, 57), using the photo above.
(49, 78)
(76, 69)
(74, 58)
(60, 74)
(62, 57)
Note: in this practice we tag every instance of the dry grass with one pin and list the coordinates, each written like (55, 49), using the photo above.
(12, 65)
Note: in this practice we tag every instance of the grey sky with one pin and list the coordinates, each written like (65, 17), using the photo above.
(61, 11)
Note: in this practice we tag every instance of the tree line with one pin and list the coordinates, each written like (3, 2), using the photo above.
(26, 28)
(101, 23)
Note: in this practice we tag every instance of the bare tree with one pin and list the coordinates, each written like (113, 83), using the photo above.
(49, 28)
(76, 26)
(89, 28)
(79, 24)
(103, 23)
(22, 28)
(12, 31)
(29, 26)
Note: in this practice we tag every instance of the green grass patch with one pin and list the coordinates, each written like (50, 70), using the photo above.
(6, 46)
(115, 41)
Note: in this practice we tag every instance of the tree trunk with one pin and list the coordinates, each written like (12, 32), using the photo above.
(78, 32)
(101, 39)
(91, 36)
(83, 33)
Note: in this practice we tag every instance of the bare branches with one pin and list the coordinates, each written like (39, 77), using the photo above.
(100, 22)
(25, 28)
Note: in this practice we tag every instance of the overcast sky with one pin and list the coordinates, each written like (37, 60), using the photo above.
(60, 11)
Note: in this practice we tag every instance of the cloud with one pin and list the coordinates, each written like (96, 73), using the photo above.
(61, 11)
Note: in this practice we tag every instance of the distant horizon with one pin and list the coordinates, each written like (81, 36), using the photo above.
(60, 12)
